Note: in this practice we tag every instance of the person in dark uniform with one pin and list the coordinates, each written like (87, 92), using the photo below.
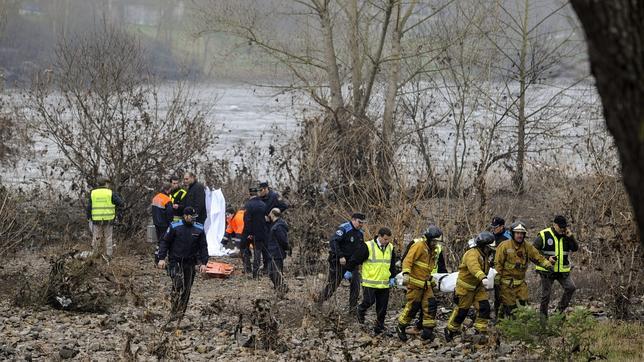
(255, 230)
(195, 197)
(162, 214)
(271, 198)
(347, 238)
(185, 246)
(177, 194)
(277, 247)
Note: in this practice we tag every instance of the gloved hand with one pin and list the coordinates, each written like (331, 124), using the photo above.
(486, 283)
(392, 282)
(347, 275)
(405, 279)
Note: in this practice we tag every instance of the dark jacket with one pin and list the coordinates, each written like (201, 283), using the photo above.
(196, 198)
(273, 200)
(183, 242)
(345, 241)
(278, 239)
(116, 200)
(361, 254)
(254, 220)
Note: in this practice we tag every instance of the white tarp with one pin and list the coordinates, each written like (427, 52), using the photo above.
(446, 282)
(215, 226)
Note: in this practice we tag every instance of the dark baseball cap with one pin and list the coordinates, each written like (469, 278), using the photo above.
(497, 221)
(561, 221)
(263, 184)
(189, 211)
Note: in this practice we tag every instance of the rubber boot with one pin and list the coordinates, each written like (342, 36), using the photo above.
(449, 335)
(400, 330)
(427, 334)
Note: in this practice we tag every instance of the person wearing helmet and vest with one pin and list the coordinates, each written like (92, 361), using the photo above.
(377, 274)
(102, 210)
(511, 264)
(177, 194)
(417, 277)
(556, 241)
(471, 287)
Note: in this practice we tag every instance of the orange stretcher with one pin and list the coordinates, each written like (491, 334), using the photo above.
(218, 270)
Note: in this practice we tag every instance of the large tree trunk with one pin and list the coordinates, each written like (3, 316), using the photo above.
(330, 60)
(518, 173)
(615, 36)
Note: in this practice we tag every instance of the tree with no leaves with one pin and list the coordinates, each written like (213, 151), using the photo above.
(101, 108)
(615, 36)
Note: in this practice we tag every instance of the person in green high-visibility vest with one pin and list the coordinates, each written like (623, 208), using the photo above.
(102, 209)
(378, 271)
(558, 242)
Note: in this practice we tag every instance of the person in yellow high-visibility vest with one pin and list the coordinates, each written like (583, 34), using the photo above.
(556, 241)
(378, 270)
(102, 209)
(417, 277)
(471, 287)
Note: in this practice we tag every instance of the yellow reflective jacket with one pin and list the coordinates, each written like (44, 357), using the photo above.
(511, 261)
(419, 263)
(473, 268)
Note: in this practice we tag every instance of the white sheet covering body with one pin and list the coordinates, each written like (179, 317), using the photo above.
(215, 226)
(446, 282)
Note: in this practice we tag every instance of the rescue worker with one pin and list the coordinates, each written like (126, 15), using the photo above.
(440, 267)
(378, 270)
(255, 232)
(277, 247)
(195, 196)
(497, 227)
(162, 214)
(102, 208)
(471, 287)
(417, 268)
(185, 246)
(344, 242)
(234, 226)
(511, 262)
(557, 241)
(177, 194)
(271, 198)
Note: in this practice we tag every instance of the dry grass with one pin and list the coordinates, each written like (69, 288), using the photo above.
(618, 341)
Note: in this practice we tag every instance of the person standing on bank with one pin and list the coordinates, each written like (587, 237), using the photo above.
(102, 209)
(255, 231)
(556, 241)
(271, 198)
(162, 214)
(378, 270)
(343, 244)
(177, 194)
(195, 197)
(277, 247)
(185, 246)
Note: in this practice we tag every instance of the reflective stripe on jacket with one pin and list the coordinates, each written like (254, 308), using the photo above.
(375, 270)
(102, 207)
(554, 246)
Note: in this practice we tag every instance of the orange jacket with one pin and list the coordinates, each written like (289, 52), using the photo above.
(235, 225)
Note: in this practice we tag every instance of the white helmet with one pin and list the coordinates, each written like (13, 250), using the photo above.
(518, 227)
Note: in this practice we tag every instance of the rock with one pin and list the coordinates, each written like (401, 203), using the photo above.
(202, 348)
(504, 350)
(95, 347)
(67, 353)
(14, 320)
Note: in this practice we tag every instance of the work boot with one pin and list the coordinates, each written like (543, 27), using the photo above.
(427, 334)
(360, 317)
(400, 330)
(449, 335)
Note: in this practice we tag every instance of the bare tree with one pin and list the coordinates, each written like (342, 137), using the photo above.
(102, 109)
(614, 33)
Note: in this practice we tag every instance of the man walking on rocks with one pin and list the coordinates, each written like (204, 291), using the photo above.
(185, 245)
(378, 269)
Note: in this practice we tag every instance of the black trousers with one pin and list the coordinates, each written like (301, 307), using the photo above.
(246, 255)
(160, 230)
(336, 272)
(380, 296)
(183, 275)
(275, 273)
(260, 258)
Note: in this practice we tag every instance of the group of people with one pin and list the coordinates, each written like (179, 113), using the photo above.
(372, 265)
(261, 233)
